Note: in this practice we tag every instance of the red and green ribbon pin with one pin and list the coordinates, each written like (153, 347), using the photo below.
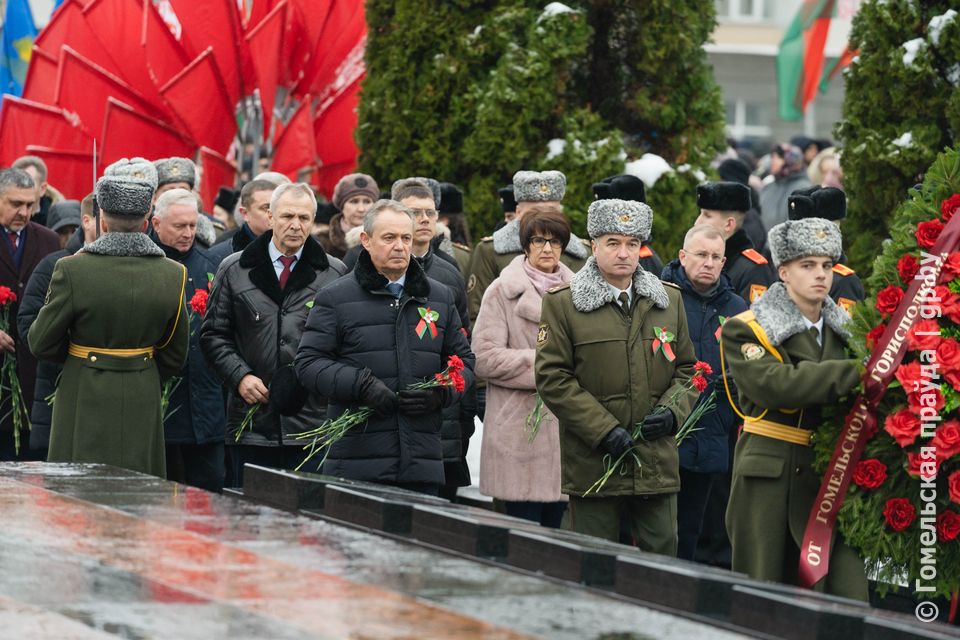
(722, 320)
(661, 342)
(428, 320)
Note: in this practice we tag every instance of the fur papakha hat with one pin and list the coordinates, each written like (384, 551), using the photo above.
(622, 187)
(795, 239)
(507, 201)
(817, 202)
(176, 170)
(126, 188)
(539, 186)
(451, 198)
(723, 196)
(626, 217)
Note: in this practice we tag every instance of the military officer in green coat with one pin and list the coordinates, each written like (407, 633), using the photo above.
(614, 358)
(786, 355)
(115, 317)
(494, 253)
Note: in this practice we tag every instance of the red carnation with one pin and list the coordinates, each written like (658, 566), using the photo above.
(949, 206)
(702, 367)
(869, 474)
(924, 335)
(948, 526)
(459, 384)
(454, 363)
(903, 426)
(947, 439)
(928, 232)
(441, 379)
(907, 267)
(899, 513)
(873, 336)
(953, 484)
(951, 268)
(889, 298)
(199, 301)
(699, 382)
(7, 295)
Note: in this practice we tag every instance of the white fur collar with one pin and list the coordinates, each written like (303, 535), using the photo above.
(507, 240)
(124, 244)
(780, 317)
(590, 291)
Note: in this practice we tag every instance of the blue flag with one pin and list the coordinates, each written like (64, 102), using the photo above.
(18, 35)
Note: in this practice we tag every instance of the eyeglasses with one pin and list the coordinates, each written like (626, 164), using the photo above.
(704, 256)
(424, 213)
(539, 242)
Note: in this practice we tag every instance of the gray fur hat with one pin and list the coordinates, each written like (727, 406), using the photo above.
(539, 186)
(176, 170)
(795, 239)
(127, 187)
(626, 217)
(429, 183)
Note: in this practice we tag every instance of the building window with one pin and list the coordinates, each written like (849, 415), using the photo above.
(747, 120)
(743, 10)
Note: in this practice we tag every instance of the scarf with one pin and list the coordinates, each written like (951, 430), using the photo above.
(542, 281)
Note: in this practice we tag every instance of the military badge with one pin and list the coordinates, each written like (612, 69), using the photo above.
(544, 187)
(625, 217)
(542, 333)
(752, 351)
(846, 304)
(756, 290)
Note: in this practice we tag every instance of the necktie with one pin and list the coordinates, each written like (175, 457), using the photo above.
(624, 301)
(395, 289)
(13, 239)
(287, 262)
(816, 335)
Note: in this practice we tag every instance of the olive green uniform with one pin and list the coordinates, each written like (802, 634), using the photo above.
(117, 321)
(596, 369)
(774, 484)
(462, 254)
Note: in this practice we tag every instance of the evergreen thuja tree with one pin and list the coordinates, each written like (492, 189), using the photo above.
(902, 107)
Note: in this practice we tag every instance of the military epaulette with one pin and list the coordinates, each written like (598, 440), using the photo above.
(671, 284)
(462, 246)
(753, 256)
(646, 252)
(559, 287)
(843, 270)
(487, 239)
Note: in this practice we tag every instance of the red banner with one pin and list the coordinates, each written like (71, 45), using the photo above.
(216, 172)
(128, 133)
(200, 101)
(861, 420)
(23, 123)
(295, 148)
(266, 45)
(71, 172)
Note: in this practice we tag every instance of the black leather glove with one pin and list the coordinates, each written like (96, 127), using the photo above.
(287, 395)
(377, 396)
(419, 402)
(658, 425)
(617, 442)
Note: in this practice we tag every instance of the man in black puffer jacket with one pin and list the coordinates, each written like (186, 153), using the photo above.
(368, 338)
(255, 316)
(708, 299)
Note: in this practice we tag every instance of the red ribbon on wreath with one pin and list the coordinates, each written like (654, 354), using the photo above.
(661, 342)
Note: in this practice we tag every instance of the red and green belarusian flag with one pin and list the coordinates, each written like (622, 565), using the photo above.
(800, 62)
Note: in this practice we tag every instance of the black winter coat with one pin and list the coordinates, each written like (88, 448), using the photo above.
(356, 325)
(750, 273)
(707, 450)
(41, 413)
(254, 327)
(195, 413)
(231, 242)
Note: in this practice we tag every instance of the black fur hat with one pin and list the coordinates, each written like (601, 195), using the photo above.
(622, 187)
(723, 196)
(507, 201)
(817, 202)
(734, 170)
(451, 198)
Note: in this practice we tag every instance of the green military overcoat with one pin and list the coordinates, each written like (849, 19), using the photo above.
(596, 369)
(119, 292)
(774, 485)
(494, 253)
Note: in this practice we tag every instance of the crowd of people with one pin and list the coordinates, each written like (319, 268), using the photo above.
(187, 344)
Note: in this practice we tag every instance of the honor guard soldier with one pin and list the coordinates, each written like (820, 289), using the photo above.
(786, 355)
(495, 252)
(598, 371)
(118, 343)
(627, 187)
(829, 203)
(724, 205)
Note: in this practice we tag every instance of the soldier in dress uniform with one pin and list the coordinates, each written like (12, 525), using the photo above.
(627, 187)
(493, 253)
(829, 203)
(787, 357)
(117, 343)
(724, 205)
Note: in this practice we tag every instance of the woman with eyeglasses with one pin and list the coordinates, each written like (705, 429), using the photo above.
(517, 464)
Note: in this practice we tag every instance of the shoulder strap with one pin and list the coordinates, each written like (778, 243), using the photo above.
(754, 256)
(751, 320)
(842, 269)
